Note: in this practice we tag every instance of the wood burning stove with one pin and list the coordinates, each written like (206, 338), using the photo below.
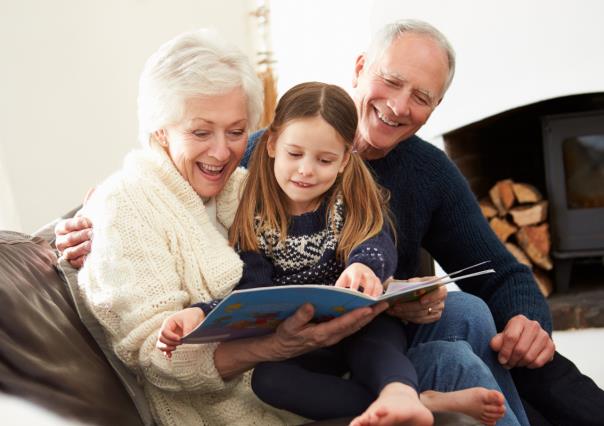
(573, 149)
(511, 145)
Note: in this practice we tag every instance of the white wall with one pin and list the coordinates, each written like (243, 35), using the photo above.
(69, 71)
(509, 53)
(68, 82)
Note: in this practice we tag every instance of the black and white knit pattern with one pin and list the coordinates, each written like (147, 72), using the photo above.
(308, 253)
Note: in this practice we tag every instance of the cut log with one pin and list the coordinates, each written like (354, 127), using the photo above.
(526, 193)
(519, 254)
(502, 195)
(502, 228)
(487, 208)
(544, 282)
(535, 242)
(529, 215)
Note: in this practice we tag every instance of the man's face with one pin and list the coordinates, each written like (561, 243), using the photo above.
(397, 93)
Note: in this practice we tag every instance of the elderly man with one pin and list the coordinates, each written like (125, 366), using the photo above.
(398, 82)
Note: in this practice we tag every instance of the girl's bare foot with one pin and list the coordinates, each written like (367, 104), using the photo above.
(397, 404)
(486, 406)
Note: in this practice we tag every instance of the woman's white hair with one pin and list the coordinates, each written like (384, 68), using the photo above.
(387, 34)
(197, 63)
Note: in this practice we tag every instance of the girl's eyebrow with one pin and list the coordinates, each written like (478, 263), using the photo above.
(293, 145)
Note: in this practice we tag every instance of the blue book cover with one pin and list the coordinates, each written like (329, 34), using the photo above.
(258, 311)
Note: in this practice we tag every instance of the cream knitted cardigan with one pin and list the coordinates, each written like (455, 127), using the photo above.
(154, 253)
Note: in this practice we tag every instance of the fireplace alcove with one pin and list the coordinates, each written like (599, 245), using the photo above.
(510, 145)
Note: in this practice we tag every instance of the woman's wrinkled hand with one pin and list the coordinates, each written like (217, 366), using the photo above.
(297, 335)
(427, 309)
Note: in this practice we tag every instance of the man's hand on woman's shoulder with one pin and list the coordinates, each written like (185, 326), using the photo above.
(73, 236)
(74, 239)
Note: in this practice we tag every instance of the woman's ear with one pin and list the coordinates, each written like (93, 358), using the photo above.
(161, 137)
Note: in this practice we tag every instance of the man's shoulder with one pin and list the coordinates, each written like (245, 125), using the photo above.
(252, 140)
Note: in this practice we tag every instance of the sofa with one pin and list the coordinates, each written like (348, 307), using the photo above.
(52, 352)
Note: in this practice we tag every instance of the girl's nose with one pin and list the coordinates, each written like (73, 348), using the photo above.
(305, 168)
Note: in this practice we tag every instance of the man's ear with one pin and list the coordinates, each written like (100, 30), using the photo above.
(358, 68)
(270, 146)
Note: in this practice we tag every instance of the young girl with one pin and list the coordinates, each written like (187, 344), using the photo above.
(312, 213)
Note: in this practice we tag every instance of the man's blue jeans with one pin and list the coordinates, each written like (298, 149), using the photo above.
(468, 361)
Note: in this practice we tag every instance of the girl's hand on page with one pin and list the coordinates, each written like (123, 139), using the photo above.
(427, 309)
(359, 275)
(175, 327)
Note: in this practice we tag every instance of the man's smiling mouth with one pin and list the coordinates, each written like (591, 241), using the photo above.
(385, 120)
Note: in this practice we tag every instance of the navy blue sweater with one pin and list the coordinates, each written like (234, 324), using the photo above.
(434, 208)
(308, 255)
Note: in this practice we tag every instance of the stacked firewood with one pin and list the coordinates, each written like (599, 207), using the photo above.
(517, 213)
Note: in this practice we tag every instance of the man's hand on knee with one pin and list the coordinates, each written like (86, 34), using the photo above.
(523, 343)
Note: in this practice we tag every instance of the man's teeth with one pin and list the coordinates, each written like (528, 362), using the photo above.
(210, 169)
(385, 120)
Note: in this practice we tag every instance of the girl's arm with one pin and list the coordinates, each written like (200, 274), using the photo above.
(378, 253)
(257, 272)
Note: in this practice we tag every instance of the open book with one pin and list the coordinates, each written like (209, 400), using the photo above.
(258, 311)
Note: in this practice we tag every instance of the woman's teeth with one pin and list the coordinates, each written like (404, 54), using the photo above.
(212, 170)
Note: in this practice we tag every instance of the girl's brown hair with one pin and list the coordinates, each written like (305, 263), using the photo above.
(263, 203)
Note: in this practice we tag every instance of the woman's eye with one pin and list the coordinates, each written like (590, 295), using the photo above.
(237, 133)
(201, 133)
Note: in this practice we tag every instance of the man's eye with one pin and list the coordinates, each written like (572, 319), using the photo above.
(422, 100)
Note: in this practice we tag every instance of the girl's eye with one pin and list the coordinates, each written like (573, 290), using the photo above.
(325, 161)
(294, 154)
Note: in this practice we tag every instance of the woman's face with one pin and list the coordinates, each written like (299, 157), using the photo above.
(208, 143)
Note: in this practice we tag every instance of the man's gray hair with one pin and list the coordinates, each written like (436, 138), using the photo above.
(197, 63)
(387, 34)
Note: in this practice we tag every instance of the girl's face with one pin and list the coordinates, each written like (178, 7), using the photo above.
(308, 154)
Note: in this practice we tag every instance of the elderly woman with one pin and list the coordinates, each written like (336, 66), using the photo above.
(160, 227)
